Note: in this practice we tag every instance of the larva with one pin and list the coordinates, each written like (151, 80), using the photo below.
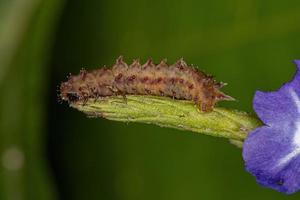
(177, 81)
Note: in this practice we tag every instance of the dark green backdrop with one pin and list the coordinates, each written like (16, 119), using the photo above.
(249, 44)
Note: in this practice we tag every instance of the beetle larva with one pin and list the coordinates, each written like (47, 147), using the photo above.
(178, 81)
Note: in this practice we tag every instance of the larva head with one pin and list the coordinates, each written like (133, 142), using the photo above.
(68, 93)
(75, 88)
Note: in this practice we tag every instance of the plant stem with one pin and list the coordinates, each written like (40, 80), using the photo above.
(166, 112)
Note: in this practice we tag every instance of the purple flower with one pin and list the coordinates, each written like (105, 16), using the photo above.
(272, 152)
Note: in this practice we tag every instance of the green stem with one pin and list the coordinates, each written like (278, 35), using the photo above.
(166, 112)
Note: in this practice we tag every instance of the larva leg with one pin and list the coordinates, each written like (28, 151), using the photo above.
(85, 100)
(96, 97)
(117, 92)
(113, 90)
(205, 107)
(123, 94)
(124, 97)
(95, 93)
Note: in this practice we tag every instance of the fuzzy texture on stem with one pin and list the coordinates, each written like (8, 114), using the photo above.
(166, 112)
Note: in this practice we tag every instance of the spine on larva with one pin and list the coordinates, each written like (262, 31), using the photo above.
(178, 81)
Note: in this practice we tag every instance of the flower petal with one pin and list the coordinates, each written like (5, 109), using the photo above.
(274, 107)
(272, 152)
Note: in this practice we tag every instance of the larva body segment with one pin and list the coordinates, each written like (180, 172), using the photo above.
(177, 81)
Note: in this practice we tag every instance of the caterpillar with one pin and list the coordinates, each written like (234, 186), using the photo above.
(178, 81)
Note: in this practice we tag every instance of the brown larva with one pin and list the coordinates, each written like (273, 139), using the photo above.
(177, 81)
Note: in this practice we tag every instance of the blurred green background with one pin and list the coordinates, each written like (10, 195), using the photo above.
(50, 151)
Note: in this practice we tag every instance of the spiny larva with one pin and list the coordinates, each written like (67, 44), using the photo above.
(178, 81)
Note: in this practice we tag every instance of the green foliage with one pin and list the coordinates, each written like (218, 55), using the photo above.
(248, 44)
(245, 43)
(26, 29)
